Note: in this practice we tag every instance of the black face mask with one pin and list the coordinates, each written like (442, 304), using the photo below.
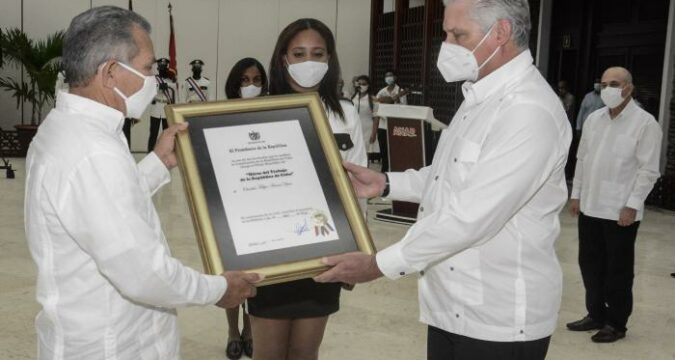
(163, 71)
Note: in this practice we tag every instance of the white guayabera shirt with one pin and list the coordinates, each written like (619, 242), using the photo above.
(617, 162)
(484, 240)
(106, 280)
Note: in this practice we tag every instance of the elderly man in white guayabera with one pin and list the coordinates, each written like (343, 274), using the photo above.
(617, 166)
(107, 282)
(483, 245)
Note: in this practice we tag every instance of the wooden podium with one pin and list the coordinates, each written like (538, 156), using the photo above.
(406, 143)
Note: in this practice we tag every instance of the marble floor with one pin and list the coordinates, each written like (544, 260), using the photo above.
(377, 320)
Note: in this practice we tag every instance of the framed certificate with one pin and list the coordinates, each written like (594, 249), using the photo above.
(266, 187)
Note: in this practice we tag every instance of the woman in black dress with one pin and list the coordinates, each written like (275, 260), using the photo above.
(288, 320)
(247, 79)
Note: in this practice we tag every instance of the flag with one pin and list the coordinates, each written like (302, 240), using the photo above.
(173, 66)
(131, 5)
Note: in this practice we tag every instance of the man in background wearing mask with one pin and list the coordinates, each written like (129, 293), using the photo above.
(166, 94)
(483, 245)
(617, 166)
(390, 94)
(107, 282)
(589, 104)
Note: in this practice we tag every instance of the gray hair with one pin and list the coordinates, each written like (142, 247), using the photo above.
(96, 36)
(517, 12)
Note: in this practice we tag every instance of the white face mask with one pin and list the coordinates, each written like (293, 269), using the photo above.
(389, 80)
(612, 97)
(363, 88)
(309, 73)
(457, 63)
(139, 101)
(250, 91)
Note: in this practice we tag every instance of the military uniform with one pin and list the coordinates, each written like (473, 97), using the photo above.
(190, 95)
(166, 94)
(197, 87)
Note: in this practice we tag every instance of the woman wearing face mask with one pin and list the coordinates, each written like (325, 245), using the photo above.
(247, 79)
(289, 319)
(363, 101)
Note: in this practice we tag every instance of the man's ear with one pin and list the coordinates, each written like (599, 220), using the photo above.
(628, 91)
(504, 31)
(107, 73)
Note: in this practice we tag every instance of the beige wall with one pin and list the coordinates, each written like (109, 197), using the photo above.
(220, 32)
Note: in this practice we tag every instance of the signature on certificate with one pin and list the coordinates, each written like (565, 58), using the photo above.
(301, 228)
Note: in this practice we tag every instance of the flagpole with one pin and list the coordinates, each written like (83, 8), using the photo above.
(173, 65)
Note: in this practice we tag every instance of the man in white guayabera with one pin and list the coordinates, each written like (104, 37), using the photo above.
(617, 166)
(489, 279)
(107, 282)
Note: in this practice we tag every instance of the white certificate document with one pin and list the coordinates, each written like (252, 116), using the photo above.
(270, 189)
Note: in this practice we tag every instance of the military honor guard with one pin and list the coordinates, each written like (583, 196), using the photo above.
(197, 87)
(166, 94)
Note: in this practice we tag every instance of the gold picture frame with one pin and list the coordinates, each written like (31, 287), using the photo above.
(214, 242)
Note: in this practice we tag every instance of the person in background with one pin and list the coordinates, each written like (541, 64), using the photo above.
(107, 282)
(167, 93)
(355, 86)
(567, 99)
(341, 89)
(289, 319)
(483, 246)
(363, 101)
(617, 166)
(390, 94)
(589, 104)
(247, 79)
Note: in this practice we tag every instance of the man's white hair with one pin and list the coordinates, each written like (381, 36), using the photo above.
(517, 12)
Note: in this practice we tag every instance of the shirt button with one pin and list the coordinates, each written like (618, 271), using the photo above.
(436, 178)
(457, 316)
(455, 159)
(421, 208)
(522, 332)
(344, 146)
(402, 273)
(422, 273)
(452, 268)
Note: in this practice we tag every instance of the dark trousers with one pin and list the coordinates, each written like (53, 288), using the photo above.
(442, 345)
(154, 131)
(126, 129)
(606, 258)
(384, 149)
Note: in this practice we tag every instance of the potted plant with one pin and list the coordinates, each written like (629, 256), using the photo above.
(40, 61)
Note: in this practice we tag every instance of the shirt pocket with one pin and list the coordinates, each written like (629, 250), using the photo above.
(624, 146)
(463, 156)
(469, 284)
(344, 141)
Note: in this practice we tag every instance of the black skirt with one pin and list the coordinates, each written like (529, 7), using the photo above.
(295, 300)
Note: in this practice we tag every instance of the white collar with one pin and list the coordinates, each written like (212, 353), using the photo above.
(630, 108)
(476, 93)
(109, 119)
